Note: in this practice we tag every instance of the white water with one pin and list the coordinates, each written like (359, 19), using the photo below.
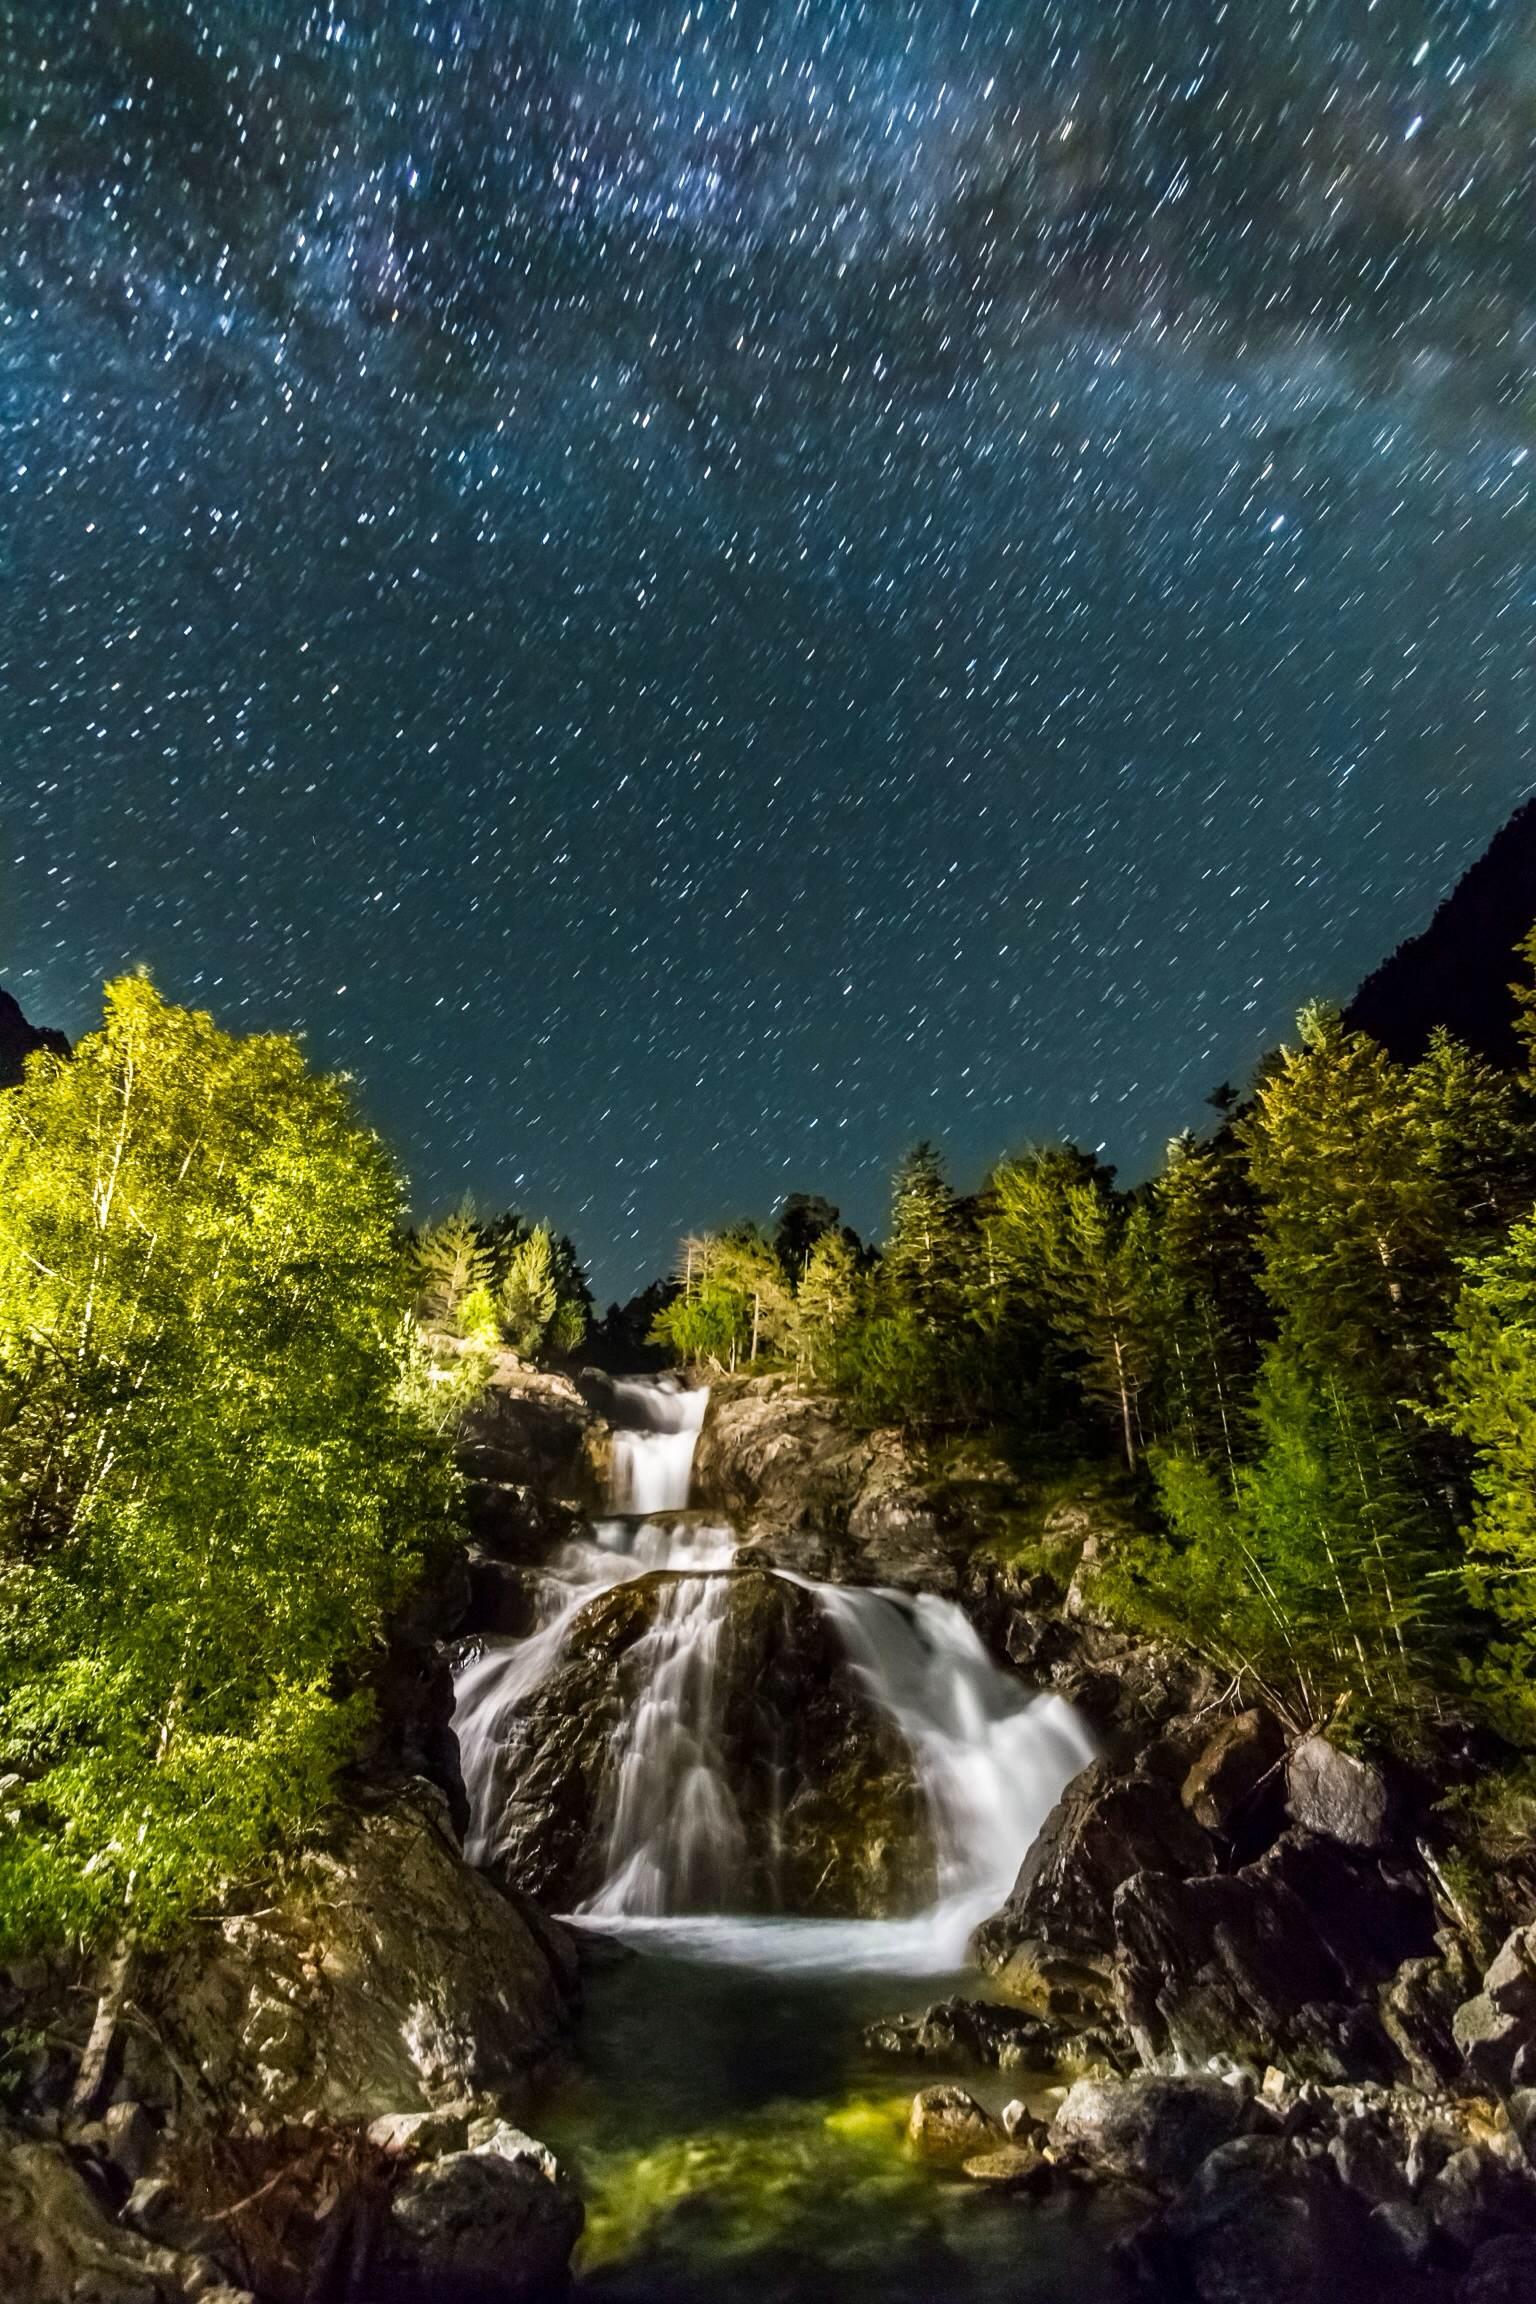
(653, 1454)
(991, 1762)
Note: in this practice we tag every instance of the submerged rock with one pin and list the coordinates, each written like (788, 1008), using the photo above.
(1013, 2168)
(949, 2124)
(986, 2033)
(384, 1977)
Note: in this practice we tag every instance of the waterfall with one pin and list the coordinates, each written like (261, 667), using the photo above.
(653, 1456)
(990, 1760)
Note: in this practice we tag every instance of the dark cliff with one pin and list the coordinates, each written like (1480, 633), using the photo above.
(18, 1040)
(1457, 973)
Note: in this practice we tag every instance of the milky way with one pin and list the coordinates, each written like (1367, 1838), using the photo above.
(698, 592)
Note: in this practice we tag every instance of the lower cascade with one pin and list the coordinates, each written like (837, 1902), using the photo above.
(743, 1764)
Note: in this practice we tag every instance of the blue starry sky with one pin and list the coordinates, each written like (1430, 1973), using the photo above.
(696, 592)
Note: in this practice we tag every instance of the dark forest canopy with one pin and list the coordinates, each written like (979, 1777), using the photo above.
(1310, 1340)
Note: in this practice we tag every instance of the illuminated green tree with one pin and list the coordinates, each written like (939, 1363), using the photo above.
(214, 1478)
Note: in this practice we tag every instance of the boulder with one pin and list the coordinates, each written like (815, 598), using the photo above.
(384, 1976)
(1502, 2271)
(1417, 2008)
(1012, 2168)
(132, 2139)
(490, 2225)
(1493, 2027)
(1235, 1774)
(949, 2124)
(982, 2032)
(1259, 2225)
(1151, 2129)
(831, 1817)
(1329, 1792)
(1280, 1960)
(1481, 2194)
(57, 2245)
(1105, 1827)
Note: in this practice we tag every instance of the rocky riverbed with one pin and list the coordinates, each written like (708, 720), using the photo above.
(1240, 1991)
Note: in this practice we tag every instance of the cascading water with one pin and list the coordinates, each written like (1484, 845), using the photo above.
(653, 1456)
(990, 1762)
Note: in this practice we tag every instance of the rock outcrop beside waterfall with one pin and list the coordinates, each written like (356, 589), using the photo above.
(386, 1977)
(826, 1501)
(295, 2100)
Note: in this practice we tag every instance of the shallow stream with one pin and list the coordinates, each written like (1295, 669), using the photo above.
(738, 2145)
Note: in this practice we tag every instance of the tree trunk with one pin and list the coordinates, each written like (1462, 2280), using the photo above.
(91, 2079)
(1125, 1409)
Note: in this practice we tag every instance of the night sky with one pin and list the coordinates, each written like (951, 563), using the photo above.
(696, 592)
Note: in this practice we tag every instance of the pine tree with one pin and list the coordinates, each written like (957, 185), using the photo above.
(1490, 1401)
(1083, 1257)
(825, 1304)
(527, 1298)
(1211, 1316)
(451, 1272)
(925, 1241)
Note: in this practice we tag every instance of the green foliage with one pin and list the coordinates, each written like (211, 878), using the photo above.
(925, 1250)
(826, 1305)
(734, 1303)
(1318, 1570)
(1490, 1401)
(505, 1282)
(216, 1474)
(1316, 1330)
(452, 1274)
(1083, 1255)
(527, 1298)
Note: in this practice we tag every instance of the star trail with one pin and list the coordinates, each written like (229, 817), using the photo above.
(696, 592)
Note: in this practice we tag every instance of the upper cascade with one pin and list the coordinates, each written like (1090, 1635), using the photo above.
(653, 1454)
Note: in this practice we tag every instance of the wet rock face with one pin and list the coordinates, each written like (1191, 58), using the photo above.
(832, 1819)
(532, 1453)
(1107, 1826)
(385, 1977)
